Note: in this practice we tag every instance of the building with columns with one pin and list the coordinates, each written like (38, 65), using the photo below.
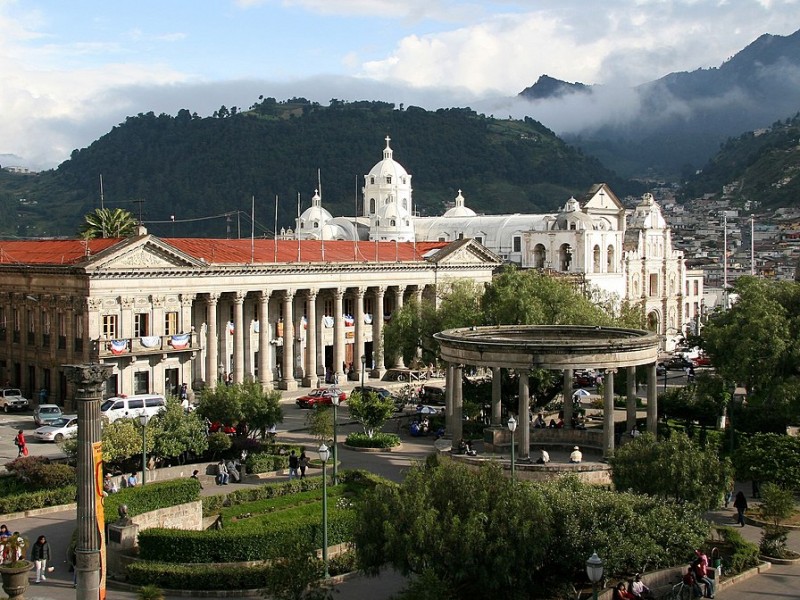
(163, 312)
(622, 255)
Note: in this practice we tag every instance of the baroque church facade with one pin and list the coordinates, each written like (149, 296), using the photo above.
(616, 255)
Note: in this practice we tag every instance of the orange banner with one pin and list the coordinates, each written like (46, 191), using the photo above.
(100, 519)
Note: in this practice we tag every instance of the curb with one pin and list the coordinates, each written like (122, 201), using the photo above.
(37, 512)
(765, 566)
(374, 450)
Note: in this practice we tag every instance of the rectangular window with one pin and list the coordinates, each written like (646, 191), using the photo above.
(171, 323)
(78, 333)
(141, 382)
(31, 328)
(62, 331)
(517, 242)
(654, 284)
(349, 306)
(109, 327)
(479, 239)
(17, 321)
(368, 304)
(327, 307)
(141, 322)
(696, 288)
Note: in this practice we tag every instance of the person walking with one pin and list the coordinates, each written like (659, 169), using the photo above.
(40, 554)
(740, 504)
(22, 446)
(303, 464)
(294, 464)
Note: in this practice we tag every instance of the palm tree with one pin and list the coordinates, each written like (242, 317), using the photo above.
(108, 223)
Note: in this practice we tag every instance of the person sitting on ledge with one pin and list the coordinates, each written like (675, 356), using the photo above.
(638, 588)
(620, 593)
(539, 423)
(544, 458)
(552, 424)
(576, 456)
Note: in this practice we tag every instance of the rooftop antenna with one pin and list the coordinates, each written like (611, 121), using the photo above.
(355, 224)
(725, 260)
(253, 229)
(101, 191)
(140, 201)
(752, 246)
(275, 232)
(297, 227)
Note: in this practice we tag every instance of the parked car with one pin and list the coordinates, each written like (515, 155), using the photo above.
(130, 407)
(59, 430)
(321, 396)
(399, 403)
(432, 394)
(661, 369)
(678, 363)
(44, 414)
(12, 399)
(584, 379)
(702, 360)
(226, 429)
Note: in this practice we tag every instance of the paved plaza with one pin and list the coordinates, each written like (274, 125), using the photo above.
(778, 583)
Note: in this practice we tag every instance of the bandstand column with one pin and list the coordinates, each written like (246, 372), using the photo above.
(238, 337)
(377, 333)
(358, 349)
(399, 363)
(497, 401)
(567, 391)
(652, 399)
(310, 378)
(264, 346)
(212, 343)
(630, 404)
(338, 334)
(523, 418)
(418, 298)
(458, 404)
(448, 398)
(608, 414)
(288, 381)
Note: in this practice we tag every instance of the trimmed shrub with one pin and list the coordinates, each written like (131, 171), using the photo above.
(262, 462)
(213, 504)
(38, 499)
(253, 543)
(743, 554)
(378, 440)
(219, 442)
(151, 497)
(198, 577)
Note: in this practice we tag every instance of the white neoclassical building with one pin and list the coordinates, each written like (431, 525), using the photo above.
(163, 312)
(625, 257)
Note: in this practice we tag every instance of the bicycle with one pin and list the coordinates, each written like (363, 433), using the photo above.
(681, 591)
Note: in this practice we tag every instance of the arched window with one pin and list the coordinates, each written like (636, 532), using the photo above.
(372, 205)
(596, 259)
(388, 179)
(377, 222)
(405, 203)
(564, 257)
(610, 267)
(539, 255)
(372, 180)
(392, 222)
(302, 225)
(316, 224)
(573, 226)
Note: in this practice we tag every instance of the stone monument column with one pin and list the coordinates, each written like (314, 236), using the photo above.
(310, 375)
(288, 382)
(89, 381)
(399, 363)
(523, 418)
(264, 339)
(630, 405)
(608, 414)
(497, 401)
(567, 391)
(338, 335)
(457, 376)
(652, 399)
(212, 343)
(358, 342)
(238, 337)
(377, 333)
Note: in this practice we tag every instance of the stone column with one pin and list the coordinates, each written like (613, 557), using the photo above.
(449, 369)
(338, 334)
(497, 400)
(418, 300)
(630, 405)
(212, 343)
(652, 399)
(358, 348)
(264, 346)
(399, 363)
(608, 414)
(310, 378)
(89, 381)
(523, 418)
(238, 337)
(185, 323)
(288, 381)
(567, 391)
(377, 333)
(458, 405)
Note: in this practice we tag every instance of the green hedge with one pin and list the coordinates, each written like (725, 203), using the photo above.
(261, 462)
(198, 577)
(40, 499)
(213, 504)
(181, 546)
(743, 554)
(378, 440)
(155, 495)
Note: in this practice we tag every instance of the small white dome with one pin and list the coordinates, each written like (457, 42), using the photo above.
(388, 166)
(459, 210)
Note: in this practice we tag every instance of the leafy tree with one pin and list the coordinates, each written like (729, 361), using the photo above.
(675, 468)
(122, 439)
(298, 575)
(320, 423)
(371, 410)
(704, 401)
(108, 223)
(261, 409)
(466, 538)
(223, 404)
(176, 433)
(777, 505)
(769, 457)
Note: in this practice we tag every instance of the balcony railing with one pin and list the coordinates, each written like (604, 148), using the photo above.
(139, 346)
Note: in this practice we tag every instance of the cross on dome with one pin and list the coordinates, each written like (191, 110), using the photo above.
(387, 153)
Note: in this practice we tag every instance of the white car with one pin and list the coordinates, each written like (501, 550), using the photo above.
(58, 431)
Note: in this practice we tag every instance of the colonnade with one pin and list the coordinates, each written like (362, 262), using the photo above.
(281, 314)
(454, 404)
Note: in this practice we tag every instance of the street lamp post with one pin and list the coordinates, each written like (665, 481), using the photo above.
(594, 569)
(335, 401)
(665, 377)
(363, 368)
(324, 454)
(512, 427)
(143, 423)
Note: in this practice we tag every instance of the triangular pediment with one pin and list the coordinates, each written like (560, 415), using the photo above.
(600, 198)
(465, 252)
(144, 252)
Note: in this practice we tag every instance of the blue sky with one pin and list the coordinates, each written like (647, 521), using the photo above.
(72, 70)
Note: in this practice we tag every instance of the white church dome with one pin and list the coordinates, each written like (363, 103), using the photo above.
(459, 210)
(388, 168)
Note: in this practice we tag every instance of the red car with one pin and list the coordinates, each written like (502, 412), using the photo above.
(319, 396)
(702, 360)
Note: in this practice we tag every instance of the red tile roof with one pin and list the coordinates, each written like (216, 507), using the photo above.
(50, 252)
(221, 251)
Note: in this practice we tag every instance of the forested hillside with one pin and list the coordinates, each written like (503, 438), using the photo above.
(195, 168)
(764, 166)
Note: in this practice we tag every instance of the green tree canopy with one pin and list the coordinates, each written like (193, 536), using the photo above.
(108, 223)
(769, 457)
(371, 410)
(674, 468)
(176, 433)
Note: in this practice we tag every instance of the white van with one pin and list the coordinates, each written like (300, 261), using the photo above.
(130, 407)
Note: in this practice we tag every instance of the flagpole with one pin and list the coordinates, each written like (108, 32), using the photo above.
(253, 229)
(275, 231)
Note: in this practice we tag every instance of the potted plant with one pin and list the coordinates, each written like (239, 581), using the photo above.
(15, 567)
